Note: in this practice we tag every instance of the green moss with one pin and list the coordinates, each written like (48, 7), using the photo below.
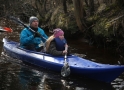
(102, 27)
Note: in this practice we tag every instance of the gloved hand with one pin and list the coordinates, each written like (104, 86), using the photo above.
(37, 34)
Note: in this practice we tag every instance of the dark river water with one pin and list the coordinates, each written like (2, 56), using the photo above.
(15, 75)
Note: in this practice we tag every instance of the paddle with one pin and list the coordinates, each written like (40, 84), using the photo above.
(21, 23)
(5, 29)
(65, 71)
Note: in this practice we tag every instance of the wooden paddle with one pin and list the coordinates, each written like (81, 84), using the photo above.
(5, 29)
(65, 71)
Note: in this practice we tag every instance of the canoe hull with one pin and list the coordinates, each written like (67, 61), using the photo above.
(78, 66)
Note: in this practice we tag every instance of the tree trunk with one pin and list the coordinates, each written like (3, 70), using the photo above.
(91, 4)
(64, 6)
(78, 8)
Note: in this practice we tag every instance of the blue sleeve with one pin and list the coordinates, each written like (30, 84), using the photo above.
(25, 37)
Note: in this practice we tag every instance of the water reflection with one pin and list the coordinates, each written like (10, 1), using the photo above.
(42, 79)
(30, 79)
(8, 75)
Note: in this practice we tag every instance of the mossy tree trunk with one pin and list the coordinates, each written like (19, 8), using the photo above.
(64, 6)
(91, 5)
(79, 13)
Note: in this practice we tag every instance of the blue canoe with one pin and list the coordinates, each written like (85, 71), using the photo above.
(78, 66)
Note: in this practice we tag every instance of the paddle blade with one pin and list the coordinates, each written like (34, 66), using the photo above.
(8, 29)
(5, 29)
(65, 71)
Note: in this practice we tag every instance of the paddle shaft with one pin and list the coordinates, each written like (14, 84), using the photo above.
(20, 22)
(65, 57)
(65, 71)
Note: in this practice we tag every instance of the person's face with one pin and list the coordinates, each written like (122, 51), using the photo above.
(35, 24)
(61, 36)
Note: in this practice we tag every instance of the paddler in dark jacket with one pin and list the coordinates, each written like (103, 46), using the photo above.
(55, 44)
